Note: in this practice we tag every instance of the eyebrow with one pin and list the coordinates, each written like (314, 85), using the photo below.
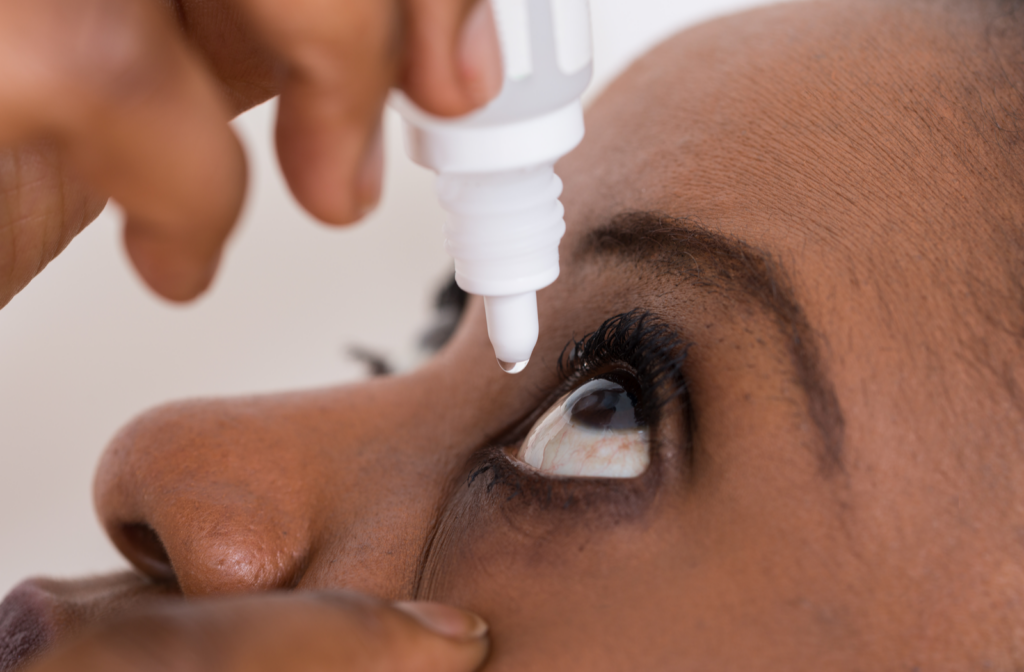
(682, 248)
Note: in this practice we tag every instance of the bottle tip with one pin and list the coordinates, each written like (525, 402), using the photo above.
(512, 367)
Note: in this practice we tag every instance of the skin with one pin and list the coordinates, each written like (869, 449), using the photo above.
(860, 513)
(130, 99)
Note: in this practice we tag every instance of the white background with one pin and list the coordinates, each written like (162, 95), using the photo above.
(86, 347)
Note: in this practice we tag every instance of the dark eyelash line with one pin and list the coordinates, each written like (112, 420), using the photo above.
(640, 340)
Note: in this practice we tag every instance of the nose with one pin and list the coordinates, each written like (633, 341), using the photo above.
(327, 488)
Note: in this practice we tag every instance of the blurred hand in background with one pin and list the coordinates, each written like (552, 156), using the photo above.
(131, 99)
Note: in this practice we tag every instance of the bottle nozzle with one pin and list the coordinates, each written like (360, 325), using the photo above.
(513, 328)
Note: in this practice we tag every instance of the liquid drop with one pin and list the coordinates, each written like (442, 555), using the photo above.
(512, 367)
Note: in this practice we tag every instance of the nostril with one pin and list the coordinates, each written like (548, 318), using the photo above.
(26, 625)
(143, 547)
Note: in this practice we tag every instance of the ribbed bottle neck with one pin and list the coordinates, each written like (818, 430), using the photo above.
(504, 229)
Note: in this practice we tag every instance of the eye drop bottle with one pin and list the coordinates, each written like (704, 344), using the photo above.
(495, 166)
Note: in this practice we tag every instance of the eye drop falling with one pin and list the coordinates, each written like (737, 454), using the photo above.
(495, 166)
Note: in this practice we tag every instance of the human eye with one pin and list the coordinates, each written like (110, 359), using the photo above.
(592, 431)
(620, 376)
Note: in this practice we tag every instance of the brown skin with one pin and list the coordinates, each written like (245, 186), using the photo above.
(870, 520)
(331, 631)
(131, 99)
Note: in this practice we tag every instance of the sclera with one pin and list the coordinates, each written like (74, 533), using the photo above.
(555, 446)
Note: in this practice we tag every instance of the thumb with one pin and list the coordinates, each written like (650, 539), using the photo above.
(349, 631)
(453, 61)
(457, 638)
(445, 620)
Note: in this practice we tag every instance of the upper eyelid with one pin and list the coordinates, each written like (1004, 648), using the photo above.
(657, 351)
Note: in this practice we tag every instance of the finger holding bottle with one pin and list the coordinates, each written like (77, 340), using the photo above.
(134, 114)
(341, 59)
(131, 99)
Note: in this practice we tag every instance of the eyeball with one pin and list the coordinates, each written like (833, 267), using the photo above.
(592, 432)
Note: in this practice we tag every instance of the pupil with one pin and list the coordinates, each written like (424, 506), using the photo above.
(602, 404)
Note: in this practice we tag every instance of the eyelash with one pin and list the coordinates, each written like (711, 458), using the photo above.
(637, 342)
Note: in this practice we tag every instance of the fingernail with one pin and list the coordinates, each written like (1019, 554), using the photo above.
(371, 174)
(480, 55)
(445, 620)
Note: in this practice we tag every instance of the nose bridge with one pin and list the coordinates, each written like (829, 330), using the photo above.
(390, 471)
(328, 488)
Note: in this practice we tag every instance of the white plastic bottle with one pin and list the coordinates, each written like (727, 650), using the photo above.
(495, 166)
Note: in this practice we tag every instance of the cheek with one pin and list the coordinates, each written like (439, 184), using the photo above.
(551, 583)
(684, 581)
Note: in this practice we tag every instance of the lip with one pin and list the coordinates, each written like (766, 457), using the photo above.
(25, 624)
(40, 613)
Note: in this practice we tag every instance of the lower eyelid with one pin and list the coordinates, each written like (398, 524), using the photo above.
(496, 493)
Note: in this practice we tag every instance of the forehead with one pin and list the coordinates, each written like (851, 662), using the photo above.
(804, 114)
(744, 126)
(840, 137)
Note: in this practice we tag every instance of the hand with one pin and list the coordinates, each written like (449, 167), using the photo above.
(131, 99)
(280, 632)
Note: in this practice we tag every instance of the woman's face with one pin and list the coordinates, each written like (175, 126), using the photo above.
(809, 416)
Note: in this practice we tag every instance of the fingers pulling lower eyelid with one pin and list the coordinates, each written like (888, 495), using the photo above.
(278, 632)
